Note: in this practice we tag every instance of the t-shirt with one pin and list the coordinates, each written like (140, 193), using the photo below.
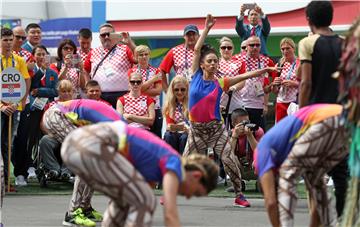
(180, 57)
(112, 73)
(73, 75)
(243, 146)
(138, 106)
(204, 98)
(150, 155)
(231, 68)
(277, 143)
(249, 95)
(288, 72)
(87, 111)
(323, 52)
(178, 115)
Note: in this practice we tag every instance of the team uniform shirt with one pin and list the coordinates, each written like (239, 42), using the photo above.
(252, 93)
(181, 58)
(288, 72)
(323, 53)
(17, 62)
(276, 144)
(178, 115)
(138, 106)
(73, 75)
(204, 98)
(87, 111)
(231, 68)
(150, 155)
(83, 54)
(112, 73)
(147, 74)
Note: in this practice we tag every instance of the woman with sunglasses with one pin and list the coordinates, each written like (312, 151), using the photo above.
(207, 133)
(286, 86)
(152, 85)
(69, 66)
(122, 162)
(137, 109)
(230, 67)
(176, 113)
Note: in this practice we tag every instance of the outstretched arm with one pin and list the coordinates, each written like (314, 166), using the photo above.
(171, 187)
(236, 79)
(209, 22)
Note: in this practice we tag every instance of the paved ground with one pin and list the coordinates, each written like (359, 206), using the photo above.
(38, 211)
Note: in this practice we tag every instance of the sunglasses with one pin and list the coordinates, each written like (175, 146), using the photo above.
(181, 89)
(243, 48)
(67, 48)
(103, 35)
(226, 47)
(20, 37)
(254, 45)
(135, 82)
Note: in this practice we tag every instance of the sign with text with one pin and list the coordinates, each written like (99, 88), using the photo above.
(13, 87)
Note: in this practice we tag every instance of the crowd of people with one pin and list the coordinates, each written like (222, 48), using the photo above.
(89, 102)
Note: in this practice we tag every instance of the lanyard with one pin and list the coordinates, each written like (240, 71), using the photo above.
(186, 60)
(291, 70)
(248, 64)
(12, 60)
(112, 52)
(179, 106)
(147, 72)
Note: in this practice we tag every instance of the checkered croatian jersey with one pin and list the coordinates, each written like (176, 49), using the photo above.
(25, 54)
(288, 72)
(248, 93)
(231, 68)
(147, 74)
(72, 75)
(138, 106)
(112, 73)
(180, 57)
(83, 54)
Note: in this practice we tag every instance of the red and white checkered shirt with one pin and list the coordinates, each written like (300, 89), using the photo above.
(180, 57)
(288, 72)
(72, 75)
(147, 74)
(25, 54)
(248, 93)
(138, 106)
(231, 68)
(83, 54)
(112, 73)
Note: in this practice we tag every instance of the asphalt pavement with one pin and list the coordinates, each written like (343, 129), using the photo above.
(49, 211)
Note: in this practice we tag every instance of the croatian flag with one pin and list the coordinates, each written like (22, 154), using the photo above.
(13, 91)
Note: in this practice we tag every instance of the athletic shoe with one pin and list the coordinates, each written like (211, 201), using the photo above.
(220, 180)
(65, 176)
(52, 174)
(31, 172)
(241, 201)
(20, 181)
(93, 215)
(77, 218)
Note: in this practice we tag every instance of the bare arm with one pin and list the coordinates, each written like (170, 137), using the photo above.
(271, 203)
(209, 23)
(170, 188)
(155, 91)
(236, 79)
(305, 84)
(165, 84)
(119, 107)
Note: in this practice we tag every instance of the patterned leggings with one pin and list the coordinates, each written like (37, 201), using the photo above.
(59, 127)
(213, 135)
(316, 152)
(92, 153)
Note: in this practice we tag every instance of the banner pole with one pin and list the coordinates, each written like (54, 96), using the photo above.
(9, 151)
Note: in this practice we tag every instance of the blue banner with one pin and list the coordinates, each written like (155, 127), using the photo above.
(55, 30)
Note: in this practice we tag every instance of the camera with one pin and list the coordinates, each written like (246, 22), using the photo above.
(251, 126)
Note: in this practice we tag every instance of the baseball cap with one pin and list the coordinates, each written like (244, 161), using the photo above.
(191, 28)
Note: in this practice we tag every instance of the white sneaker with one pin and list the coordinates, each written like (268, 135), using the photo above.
(220, 180)
(20, 181)
(330, 183)
(31, 172)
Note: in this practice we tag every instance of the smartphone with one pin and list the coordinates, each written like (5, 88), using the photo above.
(75, 60)
(250, 6)
(115, 38)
